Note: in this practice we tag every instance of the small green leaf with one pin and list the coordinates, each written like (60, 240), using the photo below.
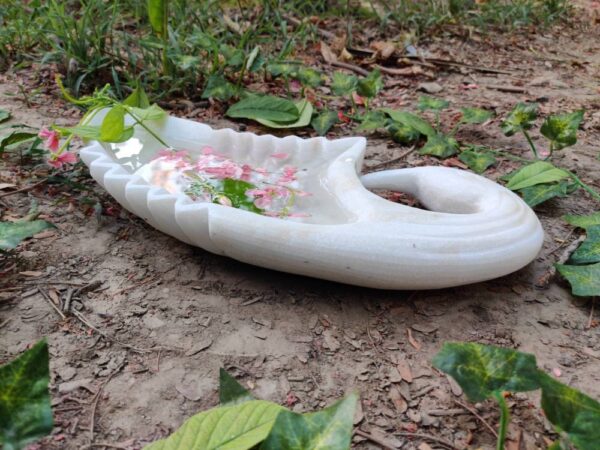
(520, 118)
(309, 77)
(589, 251)
(234, 57)
(372, 120)
(440, 145)
(571, 412)
(324, 121)
(432, 103)
(264, 107)
(218, 87)
(285, 70)
(12, 233)
(230, 427)
(478, 162)
(475, 115)
(16, 137)
(482, 370)
(535, 195)
(329, 429)
(200, 39)
(236, 190)
(230, 391)
(343, 84)
(154, 112)
(137, 98)
(402, 133)
(584, 280)
(83, 131)
(370, 85)
(305, 109)
(156, 15)
(562, 129)
(25, 410)
(4, 115)
(412, 120)
(187, 62)
(113, 125)
(583, 221)
(536, 173)
(252, 59)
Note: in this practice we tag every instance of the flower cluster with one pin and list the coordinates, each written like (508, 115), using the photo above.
(214, 177)
(59, 156)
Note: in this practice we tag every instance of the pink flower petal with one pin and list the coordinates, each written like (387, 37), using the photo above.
(280, 155)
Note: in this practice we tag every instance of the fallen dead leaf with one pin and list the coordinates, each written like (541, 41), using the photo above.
(398, 400)
(31, 273)
(44, 234)
(405, 371)
(412, 340)
(7, 185)
(327, 53)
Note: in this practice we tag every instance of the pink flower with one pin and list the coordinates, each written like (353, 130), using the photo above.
(246, 172)
(358, 99)
(289, 174)
(171, 155)
(280, 155)
(298, 215)
(208, 151)
(264, 197)
(52, 139)
(57, 161)
(228, 169)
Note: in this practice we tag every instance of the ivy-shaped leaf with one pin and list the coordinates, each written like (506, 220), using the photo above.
(478, 162)
(412, 120)
(440, 145)
(286, 70)
(234, 57)
(218, 87)
(264, 107)
(187, 62)
(329, 429)
(16, 137)
(113, 124)
(536, 173)
(324, 121)
(561, 129)
(343, 84)
(4, 115)
(370, 85)
(305, 110)
(432, 103)
(309, 77)
(372, 120)
(583, 221)
(12, 233)
(535, 195)
(475, 115)
(235, 190)
(484, 370)
(137, 98)
(589, 251)
(230, 391)
(402, 133)
(230, 427)
(584, 280)
(153, 112)
(520, 118)
(571, 412)
(25, 410)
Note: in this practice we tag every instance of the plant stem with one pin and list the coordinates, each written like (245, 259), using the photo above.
(504, 416)
(141, 123)
(584, 186)
(533, 149)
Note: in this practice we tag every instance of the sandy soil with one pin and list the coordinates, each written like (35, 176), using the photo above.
(167, 315)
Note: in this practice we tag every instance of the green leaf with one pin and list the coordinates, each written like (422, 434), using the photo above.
(562, 129)
(305, 109)
(285, 70)
(440, 145)
(156, 15)
(432, 103)
(475, 115)
(571, 412)
(583, 221)
(482, 370)
(584, 280)
(218, 87)
(343, 84)
(234, 427)
(264, 107)
(187, 62)
(412, 120)
(372, 120)
(329, 429)
(478, 162)
(4, 115)
(230, 391)
(113, 124)
(589, 251)
(402, 133)
(83, 131)
(370, 85)
(535, 195)
(236, 190)
(324, 121)
(536, 173)
(309, 77)
(12, 233)
(154, 112)
(252, 59)
(520, 118)
(16, 137)
(137, 98)
(25, 410)
(234, 57)
(200, 39)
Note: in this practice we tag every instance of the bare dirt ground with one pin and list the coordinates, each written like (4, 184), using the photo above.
(163, 316)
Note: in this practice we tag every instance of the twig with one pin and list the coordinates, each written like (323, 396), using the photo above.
(384, 444)
(472, 411)
(393, 160)
(324, 33)
(49, 300)
(558, 247)
(68, 298)
(148, 280)
(352, 67)
(506, 88)
(97, 399)
(24, 189)
(551, 272)
(427, 437)
(103, 444)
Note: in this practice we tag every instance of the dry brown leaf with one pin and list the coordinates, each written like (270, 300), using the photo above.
(383, 49)
(412, 340)
(44, 234)
(7, 185)
(53, 294)
(345, 55)
(398, 400)
(327, 53)
(404, 71)
(31, 273)
(404, 370)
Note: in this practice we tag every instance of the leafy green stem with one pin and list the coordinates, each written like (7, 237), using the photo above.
(141, 123)
(533, 149)
(504, 416)
(584, 186)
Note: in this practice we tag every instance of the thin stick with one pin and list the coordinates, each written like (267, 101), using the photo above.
(24, 189)
(590, 320)
(103, 444)
(372, 438)
(352, 67)
(393, 160)
(513, 89)
(551, 272)
(427, 437)
(97, 399)
(49, 300)
(472, 411)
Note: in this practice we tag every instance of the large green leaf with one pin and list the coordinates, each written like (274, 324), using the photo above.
(520, 118)
(266, 107)
(305, 110)
(589, 251)
(571, 412)
(478, 162)
(236, 190)
(536, 173)
(218, 87)
(156, 15)
(324, 121)
(309, 77)
(343, 84)
(154, 112)
(329, 429)
(25, 410)
(402, 133)
(230, 391)
(432, 103)
(281, 69)
(475, 115)
(440, 145)
(412, 120)
(113, 124)
(584, 280)
(84, 131)
(583, 221)
(535, 195)
(562, 129)
(12, 233)
(235, 427)
(482, 370)
(137, 98)
(16, 137)
(370, 85)
(4, 115)
(372, 120)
